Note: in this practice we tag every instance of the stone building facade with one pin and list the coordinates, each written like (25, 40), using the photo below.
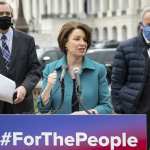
(109, 19)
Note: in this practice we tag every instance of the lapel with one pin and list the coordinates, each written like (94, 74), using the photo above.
(14, 52)
(15, 48)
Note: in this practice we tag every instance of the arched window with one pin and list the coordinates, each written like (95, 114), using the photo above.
(95, 34)
(124, 32)
(105, 33)
(114, 33)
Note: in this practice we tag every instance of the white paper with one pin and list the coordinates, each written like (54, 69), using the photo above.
(7, 89)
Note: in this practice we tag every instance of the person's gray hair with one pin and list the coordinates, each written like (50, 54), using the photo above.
(145, 10)
(2, 2)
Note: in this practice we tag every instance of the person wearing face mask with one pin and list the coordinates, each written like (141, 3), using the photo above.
(131, 73)
(5, 22)
(75, 69)
(18, 61)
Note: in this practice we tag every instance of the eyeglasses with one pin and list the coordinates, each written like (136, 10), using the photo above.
(7, 13)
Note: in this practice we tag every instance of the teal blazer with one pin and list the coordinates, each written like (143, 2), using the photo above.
(94, 87)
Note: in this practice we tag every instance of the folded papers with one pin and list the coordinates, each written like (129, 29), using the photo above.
(7, 89)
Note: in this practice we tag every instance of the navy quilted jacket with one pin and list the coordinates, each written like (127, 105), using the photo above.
(128, 75)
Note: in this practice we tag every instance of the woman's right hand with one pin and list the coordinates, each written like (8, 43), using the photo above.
(52, 78)
(50, 82)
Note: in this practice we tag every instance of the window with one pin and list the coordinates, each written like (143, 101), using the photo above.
(124, 32)
(105, 34)
(114, 33)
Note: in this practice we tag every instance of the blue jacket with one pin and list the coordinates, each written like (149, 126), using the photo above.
(94, 87)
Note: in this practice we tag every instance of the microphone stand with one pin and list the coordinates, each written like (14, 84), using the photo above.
(78, 94)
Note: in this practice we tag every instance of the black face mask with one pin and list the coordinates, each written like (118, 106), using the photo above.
(5, 22)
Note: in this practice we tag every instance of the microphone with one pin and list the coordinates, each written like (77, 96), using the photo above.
(64, 68)
(76, 72)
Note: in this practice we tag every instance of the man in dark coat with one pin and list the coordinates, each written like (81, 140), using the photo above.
(18, 61)
(131, 73)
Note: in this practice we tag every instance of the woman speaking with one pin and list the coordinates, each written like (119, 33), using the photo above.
(75, 84)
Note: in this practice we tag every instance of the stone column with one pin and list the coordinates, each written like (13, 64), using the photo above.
(132, 7)
(93, 7)
(64, 7)
(76, 6)
(41, 6)
(88, 7)
(34, 8)
(81, 13)
(111, 7)
(121, 7)
(71, 11)
(73, 8)
(35, 16)
(103, 8)
(38, 16)
(26, 8)
(49, 7)
(56, 7)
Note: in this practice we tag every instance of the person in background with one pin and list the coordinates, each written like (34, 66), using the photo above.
(18, 61)
(131, 74)
(74, 39)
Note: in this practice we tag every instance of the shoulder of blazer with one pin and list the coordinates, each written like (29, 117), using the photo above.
(20, 34)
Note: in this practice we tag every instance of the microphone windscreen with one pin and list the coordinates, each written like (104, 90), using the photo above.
(76, 70)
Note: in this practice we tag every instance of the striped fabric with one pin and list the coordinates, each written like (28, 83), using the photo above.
(5, 50)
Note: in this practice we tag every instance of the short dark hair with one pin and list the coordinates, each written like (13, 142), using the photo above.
(67, 29)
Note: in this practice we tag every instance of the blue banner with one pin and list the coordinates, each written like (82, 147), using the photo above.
(70, 132)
